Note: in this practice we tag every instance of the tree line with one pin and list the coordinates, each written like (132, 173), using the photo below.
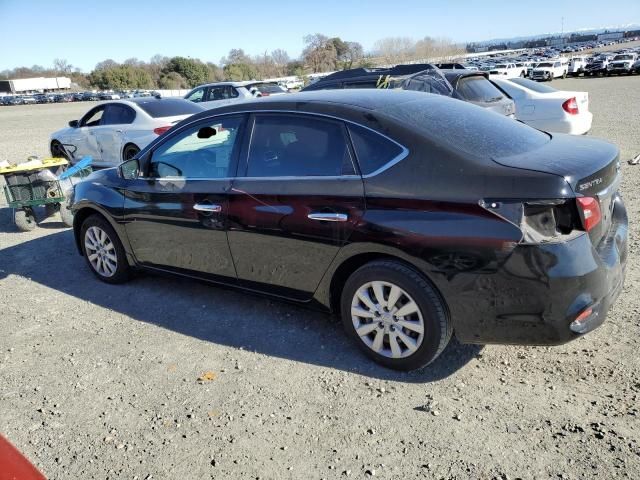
(320, 54)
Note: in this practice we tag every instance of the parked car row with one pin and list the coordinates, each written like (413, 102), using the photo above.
(72, 97)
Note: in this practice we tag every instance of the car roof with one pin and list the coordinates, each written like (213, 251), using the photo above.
(453, 75)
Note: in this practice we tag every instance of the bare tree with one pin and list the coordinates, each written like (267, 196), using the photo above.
(438, 49)
(60, 65)
(320, 53)
(395, 49)
(280, 59)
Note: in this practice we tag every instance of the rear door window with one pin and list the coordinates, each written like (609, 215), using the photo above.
(479, 89)
(298, 146)
(117, 114)
(373, 151)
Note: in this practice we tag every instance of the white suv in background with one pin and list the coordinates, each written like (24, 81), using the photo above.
(508, 70)
(549, 70)
(576, 66)
(217, 94)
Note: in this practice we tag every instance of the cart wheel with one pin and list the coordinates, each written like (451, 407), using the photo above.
(25, 220)
(66, 215)
(50, 209)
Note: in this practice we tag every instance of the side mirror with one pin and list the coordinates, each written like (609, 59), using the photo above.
(130, 169)
(74, 124)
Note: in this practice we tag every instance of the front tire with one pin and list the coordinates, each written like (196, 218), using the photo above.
(103, 250)
(395, 315)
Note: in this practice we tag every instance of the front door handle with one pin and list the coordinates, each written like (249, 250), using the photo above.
(207, 207)
(328, 217)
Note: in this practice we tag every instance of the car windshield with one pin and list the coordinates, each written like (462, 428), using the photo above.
(465, 127)
(168, 107)
(623, 57)
(265, 88)
(531, 85)
(545, 64)
(501, 65)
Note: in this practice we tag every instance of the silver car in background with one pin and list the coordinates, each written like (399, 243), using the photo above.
(214, 95)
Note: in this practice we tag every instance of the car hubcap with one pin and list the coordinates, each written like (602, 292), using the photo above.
(100, 251)
(387, 319)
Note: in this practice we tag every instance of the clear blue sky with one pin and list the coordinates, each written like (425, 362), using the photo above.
(86, 32)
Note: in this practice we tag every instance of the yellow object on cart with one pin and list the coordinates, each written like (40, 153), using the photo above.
(31, 165)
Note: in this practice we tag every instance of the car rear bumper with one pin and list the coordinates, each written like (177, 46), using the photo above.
(541, 289)
(571, 124)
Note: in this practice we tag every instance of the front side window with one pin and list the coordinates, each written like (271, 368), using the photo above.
(202, 151)
(300, 146)
(196, 96)
(92, 119)
(373, 151)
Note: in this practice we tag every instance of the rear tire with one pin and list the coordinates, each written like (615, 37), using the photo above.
(130, 151)
(25, 220)
(401, 342)
(103, 250)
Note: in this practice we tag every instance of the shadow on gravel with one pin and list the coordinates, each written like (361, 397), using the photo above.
(211, 313)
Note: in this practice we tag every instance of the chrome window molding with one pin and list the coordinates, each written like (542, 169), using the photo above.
(405, 151)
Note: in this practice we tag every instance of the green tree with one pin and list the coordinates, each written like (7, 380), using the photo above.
(172, 81)
(193, 71)
(240, 71)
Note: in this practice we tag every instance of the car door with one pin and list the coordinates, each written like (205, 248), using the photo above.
(83, 138)
(116, 119)
(294, 202)
(176, 213)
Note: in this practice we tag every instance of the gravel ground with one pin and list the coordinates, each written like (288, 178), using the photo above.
(101, 381)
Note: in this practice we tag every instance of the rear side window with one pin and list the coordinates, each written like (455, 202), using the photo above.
(168, 107)
(116, 114)
(429, 82)
(300, 146)
(478, 89)
(373, 151)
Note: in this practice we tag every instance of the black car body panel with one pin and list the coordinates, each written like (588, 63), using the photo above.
(430, 208)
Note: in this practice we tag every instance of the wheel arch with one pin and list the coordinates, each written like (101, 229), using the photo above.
(85, 212)
(129, 143)
(349, 265)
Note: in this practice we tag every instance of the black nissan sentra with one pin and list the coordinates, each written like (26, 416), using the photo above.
(411, 215)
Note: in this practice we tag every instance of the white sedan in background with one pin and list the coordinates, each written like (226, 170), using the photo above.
(115, 131)
(546, 108)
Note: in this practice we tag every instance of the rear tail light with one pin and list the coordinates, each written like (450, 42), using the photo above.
(571, 106)
(161, 130)
(589, 211)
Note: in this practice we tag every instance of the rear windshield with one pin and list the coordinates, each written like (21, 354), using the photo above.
(478, 89)
(545, 64)
(468, 128)
(168, 107)
(267, 88)
(531, 85)
(623, 57)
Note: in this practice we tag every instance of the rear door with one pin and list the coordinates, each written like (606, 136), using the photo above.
(294, 202)
(116, 119)
(176, 215)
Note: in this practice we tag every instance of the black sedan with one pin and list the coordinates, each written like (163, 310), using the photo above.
(411, 215)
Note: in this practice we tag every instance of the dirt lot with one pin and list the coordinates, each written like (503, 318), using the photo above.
(100, 381)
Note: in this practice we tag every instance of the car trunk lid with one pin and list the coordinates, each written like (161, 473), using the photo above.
(589, 166)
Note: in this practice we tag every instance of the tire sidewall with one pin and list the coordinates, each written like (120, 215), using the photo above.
(428, 300)
(123, 269)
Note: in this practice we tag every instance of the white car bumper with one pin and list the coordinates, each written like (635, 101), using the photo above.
(572, 124)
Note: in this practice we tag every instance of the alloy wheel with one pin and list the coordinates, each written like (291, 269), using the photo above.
(100, 251)
(387, 319)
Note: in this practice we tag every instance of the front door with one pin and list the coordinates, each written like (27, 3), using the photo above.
(293, 204)
(83, 137)
(176, 214)
(109, 136)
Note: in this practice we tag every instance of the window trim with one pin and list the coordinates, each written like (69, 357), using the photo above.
(244, 158)
(146, 152)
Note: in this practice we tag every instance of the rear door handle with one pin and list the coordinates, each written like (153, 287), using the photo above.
(328, 217)
(207, 207)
